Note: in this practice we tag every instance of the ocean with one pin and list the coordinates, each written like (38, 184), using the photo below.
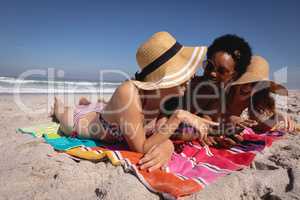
(11, 85)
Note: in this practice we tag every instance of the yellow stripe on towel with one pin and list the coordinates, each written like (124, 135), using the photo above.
(82, 153)
(94, 155)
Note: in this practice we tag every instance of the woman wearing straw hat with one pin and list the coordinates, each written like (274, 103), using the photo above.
(252, 90)
(166, 67)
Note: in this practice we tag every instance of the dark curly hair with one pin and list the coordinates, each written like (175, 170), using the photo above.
(234, 45)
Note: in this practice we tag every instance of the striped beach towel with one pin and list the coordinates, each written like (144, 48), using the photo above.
(189, 171)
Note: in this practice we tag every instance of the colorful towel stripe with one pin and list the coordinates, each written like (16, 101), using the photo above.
(40, 130)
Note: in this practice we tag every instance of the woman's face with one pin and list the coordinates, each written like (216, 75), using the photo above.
(224, 66)
(245, 90)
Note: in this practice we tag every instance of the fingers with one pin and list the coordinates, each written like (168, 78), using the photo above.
(202, 133)
(149, 155)
(248, 123)
(230, 142)
(281, 125)
(213, 141)
(251, 122)
(212, 123)
(151, 164)
(151, 149)
(207, 141)
(156, 166)
(225, 142)
(291, 125)
(157, 156)
(151, 161)
(210, 141)
(286, 123)
(242, 125)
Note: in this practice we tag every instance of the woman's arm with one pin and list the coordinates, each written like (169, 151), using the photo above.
(131, 118)
(171, 124)
(125, 109)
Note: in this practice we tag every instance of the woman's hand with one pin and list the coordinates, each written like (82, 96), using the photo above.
(210, 141)
(286, 123)
(244, 123)
(157, 157)
(225, 142)
(290, 124)
(201, 124)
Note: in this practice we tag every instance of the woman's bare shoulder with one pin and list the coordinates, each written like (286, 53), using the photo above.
(125, 97)
(126, 90)
(126, 103)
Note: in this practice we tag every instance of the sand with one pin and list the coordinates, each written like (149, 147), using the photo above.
(31, 169)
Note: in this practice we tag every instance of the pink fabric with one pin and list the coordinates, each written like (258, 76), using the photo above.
(207, 164)
(196, 166)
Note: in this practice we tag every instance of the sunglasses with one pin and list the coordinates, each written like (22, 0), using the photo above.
(209, 65)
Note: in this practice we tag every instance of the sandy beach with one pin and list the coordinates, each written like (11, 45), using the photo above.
(31, 169)
(226, 66)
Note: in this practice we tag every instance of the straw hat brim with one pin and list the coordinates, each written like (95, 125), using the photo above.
(179, 69)
(252, 78)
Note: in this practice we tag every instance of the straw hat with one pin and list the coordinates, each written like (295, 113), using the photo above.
(258, 71)
(164, 63)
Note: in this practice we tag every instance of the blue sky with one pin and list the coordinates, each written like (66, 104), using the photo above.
(82, 37)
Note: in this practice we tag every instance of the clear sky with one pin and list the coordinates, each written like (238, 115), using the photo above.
(83, 36)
